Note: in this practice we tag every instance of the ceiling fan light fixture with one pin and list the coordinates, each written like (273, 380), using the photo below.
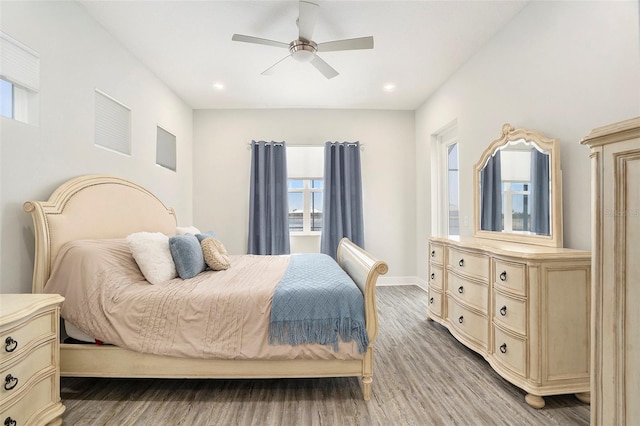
(302, 50)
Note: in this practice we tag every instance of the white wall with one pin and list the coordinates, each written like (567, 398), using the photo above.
(76, 57)
(561, 68)
(222, 160)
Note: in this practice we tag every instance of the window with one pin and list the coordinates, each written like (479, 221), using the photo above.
(20, 81)
(305, 188)
(165, 149)
(516, 188)
(305, 205)
(453, 220)
(445, 178)
(515, 199)
(6, 98)
(113, 124)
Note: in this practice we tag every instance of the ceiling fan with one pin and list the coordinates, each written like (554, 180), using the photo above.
(303, 49)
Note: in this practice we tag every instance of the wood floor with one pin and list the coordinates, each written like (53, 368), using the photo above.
(422, 376)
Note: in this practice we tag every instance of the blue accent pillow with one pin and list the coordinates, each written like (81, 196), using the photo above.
(187, 255)
(208, 234)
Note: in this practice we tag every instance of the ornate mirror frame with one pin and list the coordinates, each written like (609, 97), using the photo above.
(510, 134)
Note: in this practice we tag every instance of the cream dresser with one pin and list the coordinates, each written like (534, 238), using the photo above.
(512, 293)
(525, 308)
(29, 364)
(615, 183)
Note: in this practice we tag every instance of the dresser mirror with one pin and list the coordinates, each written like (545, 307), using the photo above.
(518, 189)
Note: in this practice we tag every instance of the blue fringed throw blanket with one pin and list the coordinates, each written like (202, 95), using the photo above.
(317, 302)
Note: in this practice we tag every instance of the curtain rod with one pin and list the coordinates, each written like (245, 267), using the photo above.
(305, 145)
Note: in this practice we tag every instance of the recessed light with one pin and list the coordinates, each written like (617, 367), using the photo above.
(218, 86)
(389, 87)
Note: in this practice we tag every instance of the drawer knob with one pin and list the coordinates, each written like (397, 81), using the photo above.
(503, 311)
(503, 348)
(461, 263)
(10, 382)
(461, 289)
(431, 300)
(433, 276)
(461, 319)
(9, 422)
(10, 345)
(433, 253)
(503, 276)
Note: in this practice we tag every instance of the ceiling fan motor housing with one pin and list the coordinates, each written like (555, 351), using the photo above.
(303, 50)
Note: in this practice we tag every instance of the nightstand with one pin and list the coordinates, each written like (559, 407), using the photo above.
(30, 359)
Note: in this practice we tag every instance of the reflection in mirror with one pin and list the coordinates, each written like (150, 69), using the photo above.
(518, 189)
(515, 190)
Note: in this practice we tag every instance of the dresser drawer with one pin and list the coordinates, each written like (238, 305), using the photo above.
(471, 264)
(510, 312)
(37, 399)
(16, 375)
(510, 276)
(436, 253)
(434, 303)
(16, 339)
(510, 351)
(471, 292)
(436, 276)
(468, 323)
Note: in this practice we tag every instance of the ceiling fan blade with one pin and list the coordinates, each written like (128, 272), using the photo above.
(323, 67)
(347, 44)
(307, 19)
(271, 69)
(257, 40)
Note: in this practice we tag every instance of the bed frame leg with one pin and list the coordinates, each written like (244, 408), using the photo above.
(367, 373)
(366, 387)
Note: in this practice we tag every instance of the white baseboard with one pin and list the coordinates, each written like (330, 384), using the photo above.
(392, 281)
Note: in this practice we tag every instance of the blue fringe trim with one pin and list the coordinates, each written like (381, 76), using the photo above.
(323, 331)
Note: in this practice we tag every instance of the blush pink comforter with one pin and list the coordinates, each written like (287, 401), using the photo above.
(221, 314)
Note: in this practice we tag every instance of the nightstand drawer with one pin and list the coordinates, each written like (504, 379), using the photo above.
(471, 292)
(510, 351)
(15, 376)
(16, 339)
(30, 359)
(470, 264)
(511, 276)
(510, 312)
(436, 254)
(38, 398)
(436, 275)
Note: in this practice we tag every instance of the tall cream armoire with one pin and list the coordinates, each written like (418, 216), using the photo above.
(615, 321)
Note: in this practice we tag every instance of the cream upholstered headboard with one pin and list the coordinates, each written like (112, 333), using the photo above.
(92, 207)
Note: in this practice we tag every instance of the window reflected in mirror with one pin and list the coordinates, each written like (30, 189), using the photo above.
(515, 190)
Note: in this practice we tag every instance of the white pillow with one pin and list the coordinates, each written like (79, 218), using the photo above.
(182, 230)
(152, 254)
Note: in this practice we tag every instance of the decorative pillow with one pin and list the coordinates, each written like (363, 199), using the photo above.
(181, 230)
(187, 255)
(208, 234)
(152, 254)
(215, 255)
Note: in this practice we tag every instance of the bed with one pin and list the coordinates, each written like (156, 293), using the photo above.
(102, 207)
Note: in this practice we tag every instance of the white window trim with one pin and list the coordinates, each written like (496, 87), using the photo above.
(441, 140)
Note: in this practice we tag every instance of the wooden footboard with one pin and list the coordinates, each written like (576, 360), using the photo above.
(97, 207)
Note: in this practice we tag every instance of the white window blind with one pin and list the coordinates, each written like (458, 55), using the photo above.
(113, 124)
(166, 149)
(305, 162)
(18, 63)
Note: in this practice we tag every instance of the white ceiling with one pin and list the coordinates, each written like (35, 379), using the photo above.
(418, 45)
